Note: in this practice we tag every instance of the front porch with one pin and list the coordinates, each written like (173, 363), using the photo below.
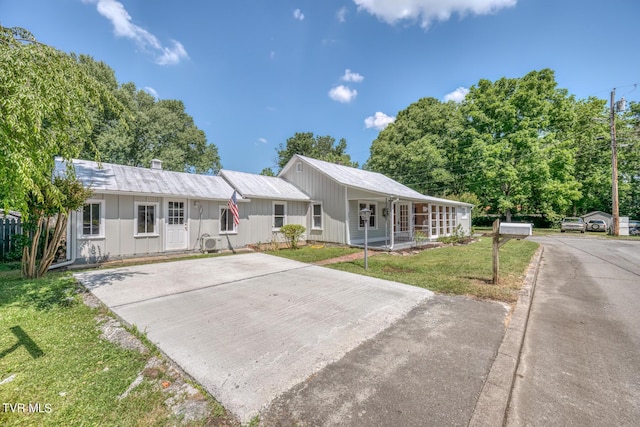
(406, 224)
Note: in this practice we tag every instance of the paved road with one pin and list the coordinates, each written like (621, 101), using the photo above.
(580, 362)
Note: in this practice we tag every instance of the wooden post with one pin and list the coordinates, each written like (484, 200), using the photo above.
(496, 250)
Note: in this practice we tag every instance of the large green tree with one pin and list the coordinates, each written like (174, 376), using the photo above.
(421, 148)
(318, 147)
(152, 129)
(520, 147)
(628, 140)
(46, 105)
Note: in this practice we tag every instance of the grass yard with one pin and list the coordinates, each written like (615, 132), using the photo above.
(459, 270)
(52, 358)
(312, 253)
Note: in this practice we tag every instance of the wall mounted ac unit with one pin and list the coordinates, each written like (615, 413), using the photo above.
(209, 244)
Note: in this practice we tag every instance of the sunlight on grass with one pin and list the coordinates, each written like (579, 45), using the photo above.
(50, 346)
(459, 270)
(311, 254)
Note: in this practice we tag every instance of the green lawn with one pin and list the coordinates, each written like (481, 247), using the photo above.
(50, 345)
(459, 270)
(313, 253)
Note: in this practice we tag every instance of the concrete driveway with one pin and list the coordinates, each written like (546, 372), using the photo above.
(250, 327)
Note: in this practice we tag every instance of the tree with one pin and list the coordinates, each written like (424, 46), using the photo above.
(519, 134)
(152, 129)
(628, 139)
(45, 96)
(47, 223)
(420, 149)
(317, 147)
(267, 172)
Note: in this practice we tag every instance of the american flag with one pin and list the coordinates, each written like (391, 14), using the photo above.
(233, 207)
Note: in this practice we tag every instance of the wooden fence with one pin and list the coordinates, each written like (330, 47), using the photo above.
(9, 230)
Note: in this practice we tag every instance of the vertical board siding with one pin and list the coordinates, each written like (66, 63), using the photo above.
(322, 189)
(357, 235)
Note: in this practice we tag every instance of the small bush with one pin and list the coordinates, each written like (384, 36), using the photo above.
(292, 233)
(458, 236)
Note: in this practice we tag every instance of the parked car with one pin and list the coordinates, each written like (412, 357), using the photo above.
(572, 223)
(596, 225)
(634, 227)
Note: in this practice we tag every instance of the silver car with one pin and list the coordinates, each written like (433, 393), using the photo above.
(596, 225)
(572, 223)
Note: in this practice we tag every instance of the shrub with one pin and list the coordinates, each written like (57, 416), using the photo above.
(292, 233)
(458, 236)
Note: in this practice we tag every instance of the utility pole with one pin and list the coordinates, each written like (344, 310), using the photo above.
(614, 169)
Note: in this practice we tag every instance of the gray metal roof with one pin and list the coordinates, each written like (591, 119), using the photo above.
(112, 178)
(366, 180)
(263, 187)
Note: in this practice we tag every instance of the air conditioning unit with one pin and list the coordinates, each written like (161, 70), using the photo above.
(209, 244)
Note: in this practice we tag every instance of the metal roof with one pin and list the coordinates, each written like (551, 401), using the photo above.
(366, 180)
(263, 187)
(112, 178)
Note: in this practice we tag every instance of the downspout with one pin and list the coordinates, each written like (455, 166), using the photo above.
(346, 216)
(71, 241)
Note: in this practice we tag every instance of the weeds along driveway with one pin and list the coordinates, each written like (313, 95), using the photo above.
(249, 327)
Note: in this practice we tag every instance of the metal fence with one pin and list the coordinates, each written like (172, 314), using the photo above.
(10, 229)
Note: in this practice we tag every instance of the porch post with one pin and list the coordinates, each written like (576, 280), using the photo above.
(392, 224)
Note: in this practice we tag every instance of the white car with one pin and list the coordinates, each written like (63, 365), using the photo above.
(572, 223)
(597, 225)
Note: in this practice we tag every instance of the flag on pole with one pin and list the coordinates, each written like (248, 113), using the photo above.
(233, 207)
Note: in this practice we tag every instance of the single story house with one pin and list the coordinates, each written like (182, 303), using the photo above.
(398, 213)
(138, 211)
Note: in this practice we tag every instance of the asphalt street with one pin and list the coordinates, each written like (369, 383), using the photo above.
(580, 361)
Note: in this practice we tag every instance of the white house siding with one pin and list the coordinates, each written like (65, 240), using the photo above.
(322, 189)
(118, 238)
(203, 219)
(464, 218)
(256, 222)
(377, 234)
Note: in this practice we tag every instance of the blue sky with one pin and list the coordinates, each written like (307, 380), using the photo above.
(254, 72)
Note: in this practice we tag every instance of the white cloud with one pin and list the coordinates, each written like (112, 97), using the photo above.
(428, 11)
(262, 140)
(343, 94)
(298, 14)
(341, 14)
(378, 121)
(272, 55)
(115, 12)
(151, 91)
(457, 95)
(350, 76)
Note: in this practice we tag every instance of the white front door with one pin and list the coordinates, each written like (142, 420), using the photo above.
(402, 220)
(177, 225)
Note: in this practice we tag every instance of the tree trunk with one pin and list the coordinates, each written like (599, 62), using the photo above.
(51, 247)
(507, 215)
(31, 268)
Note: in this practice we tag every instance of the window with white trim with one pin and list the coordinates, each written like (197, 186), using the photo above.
(146, 219)
(373, 219)
(92, 224)
(316, 216)
(227, 225)
(279, 215)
